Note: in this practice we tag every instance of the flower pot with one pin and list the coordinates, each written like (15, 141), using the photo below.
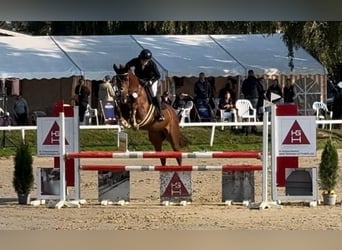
(24, 199)
(329, 199)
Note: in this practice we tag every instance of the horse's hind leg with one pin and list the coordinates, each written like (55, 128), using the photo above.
(175, 144)
(157, 138)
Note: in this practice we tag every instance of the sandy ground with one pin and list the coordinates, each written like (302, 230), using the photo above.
(144, 211)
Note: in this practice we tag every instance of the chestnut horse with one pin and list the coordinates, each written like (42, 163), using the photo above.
(135, 111)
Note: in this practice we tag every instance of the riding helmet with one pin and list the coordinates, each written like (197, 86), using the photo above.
(145, 54)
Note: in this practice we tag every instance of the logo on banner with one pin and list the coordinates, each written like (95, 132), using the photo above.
(296, 135)
(52, 137)
(176, 187)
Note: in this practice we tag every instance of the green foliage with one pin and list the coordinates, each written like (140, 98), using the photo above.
(23, 178)
(328, 167)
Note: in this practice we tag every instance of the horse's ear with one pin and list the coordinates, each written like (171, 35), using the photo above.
(124, 68)
(115, 68)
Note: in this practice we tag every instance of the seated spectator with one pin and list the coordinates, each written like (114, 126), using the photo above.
(230, 86)
(181, 101)
(165, 98)
(226, 103)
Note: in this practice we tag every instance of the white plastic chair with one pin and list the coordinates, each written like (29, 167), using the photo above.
(321, 111)
(221, 112)
(90, 114)
(185, 113)
(245, 110)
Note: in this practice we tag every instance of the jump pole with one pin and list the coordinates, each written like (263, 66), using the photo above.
(163, 154)
(173, 168)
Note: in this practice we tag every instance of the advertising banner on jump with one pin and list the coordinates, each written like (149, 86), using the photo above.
(48, 130)
(296, 135)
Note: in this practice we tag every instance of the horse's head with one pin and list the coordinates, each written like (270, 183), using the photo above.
(127, 82)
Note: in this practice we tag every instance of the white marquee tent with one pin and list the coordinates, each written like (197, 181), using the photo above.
(44, 57)
(188, 55)
(95, 55)
(176, 55)
(34, 57)
(268, 54)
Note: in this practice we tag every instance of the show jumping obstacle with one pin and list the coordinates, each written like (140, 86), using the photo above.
(174, 177)
(181, 171)
(171, 169)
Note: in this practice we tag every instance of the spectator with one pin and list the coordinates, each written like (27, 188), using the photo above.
(20, 110)
(261, 98)
(202, 90)
(106, 96)
(106, 92)
(82, 93)
(227, 87)
(166, 98)
(249, 89)
(288, 91)
(227, 104)
(147, 71)
(180, 102)
(275, 89)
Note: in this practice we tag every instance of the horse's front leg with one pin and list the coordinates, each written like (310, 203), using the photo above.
(135, 124)
(122, 120)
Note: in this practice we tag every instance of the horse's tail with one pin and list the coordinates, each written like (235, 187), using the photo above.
(183, 141)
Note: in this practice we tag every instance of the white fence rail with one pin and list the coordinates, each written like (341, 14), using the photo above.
(213, 126)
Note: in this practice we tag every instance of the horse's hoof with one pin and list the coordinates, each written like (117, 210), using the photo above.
(125, 124)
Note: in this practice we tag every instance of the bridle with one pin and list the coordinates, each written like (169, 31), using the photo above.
(131, 94)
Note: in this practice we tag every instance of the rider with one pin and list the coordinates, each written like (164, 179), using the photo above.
(147, 72)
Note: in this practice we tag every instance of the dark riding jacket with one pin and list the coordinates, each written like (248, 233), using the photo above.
(149, 73)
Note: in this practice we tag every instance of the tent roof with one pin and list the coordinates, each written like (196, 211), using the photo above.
(176, 55)
(268, 54)
(95, 55)
(33, 57)
(188, 55)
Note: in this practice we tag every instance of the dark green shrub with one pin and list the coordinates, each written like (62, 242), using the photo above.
(328, 168)
(23, 178)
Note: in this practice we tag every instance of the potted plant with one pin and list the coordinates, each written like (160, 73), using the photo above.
(328, 173)
(23, 178)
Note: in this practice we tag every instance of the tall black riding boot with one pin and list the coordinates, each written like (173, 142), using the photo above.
(157, 104)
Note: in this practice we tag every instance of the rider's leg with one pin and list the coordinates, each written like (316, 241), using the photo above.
(157, 104)
(149, 94)
(152, 90)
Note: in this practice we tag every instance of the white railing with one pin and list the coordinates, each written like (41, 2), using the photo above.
(213, 126)
(24, 128)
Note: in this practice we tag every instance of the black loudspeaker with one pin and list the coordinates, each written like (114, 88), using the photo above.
(12, 86)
